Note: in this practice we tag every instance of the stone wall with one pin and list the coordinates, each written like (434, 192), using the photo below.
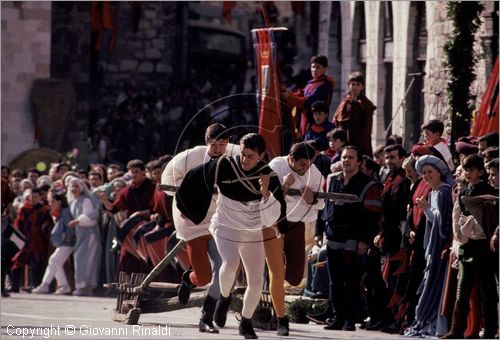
(70, 49)
(26, 36)
(148, 55)
(434, 83)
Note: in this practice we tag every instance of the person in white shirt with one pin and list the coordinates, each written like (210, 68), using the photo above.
(295, 171)
(202, 252)
(250, 197)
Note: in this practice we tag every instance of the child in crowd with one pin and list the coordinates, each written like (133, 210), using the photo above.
(492, 169)
(433, 131)
(355, 114)
(336, 142)
(321, 127)
(474, 254)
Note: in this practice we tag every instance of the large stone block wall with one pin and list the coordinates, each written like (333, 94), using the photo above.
(438, 28)
(26, 36)
(148, 56)
(70, 49)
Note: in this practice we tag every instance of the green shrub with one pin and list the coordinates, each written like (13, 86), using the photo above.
(298, 309)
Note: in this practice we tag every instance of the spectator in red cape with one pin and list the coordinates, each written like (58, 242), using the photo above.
(355, 114)
(34, 221)
(136, 197)
(318, 88)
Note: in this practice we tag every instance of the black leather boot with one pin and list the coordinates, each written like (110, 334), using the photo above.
(283, 326)
(221, 308)
(185, 288)
(246, 329)
(207, 313)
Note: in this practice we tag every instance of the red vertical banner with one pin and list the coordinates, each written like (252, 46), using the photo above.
(486, 119)
(268, 89)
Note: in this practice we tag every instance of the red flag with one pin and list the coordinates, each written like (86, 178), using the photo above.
(268, 89)
(101, 20)
(227, 7)
(487, 116)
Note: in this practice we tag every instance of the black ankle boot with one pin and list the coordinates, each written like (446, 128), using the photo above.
(207, 312)
(283, 326)
(221, 308)
(246, 329)
(185, 288)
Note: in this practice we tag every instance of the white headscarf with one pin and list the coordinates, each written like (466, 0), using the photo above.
(85, 192)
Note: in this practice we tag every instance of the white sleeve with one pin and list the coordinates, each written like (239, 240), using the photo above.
(179, 166)
(233, 150)
(270, 210)
(84, 219)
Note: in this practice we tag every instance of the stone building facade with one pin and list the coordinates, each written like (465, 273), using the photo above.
(390, 41)
(26, 37)
(386, 40)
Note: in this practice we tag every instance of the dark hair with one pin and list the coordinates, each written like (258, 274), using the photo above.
(36, 191)
(216, 131)
(253, 141)
(115, 166)
(491, 152)
(359, 155)
(493, 164)
(104, 169)
(83, 172)
(44, 188)
(396, 147)
(337, 133)
(320, 59)
(491, 139)
(434, 125)
(5, 167)
(136, 163)
(302, 151)
(473, 161)
(393, 139)
(313, 143)
(370, 164)
(59, 195)
(357, 77)
(319, 106)
(154, 164)
(34, 170)
(59, 166)
(95, 173)
(165, 159)
(17, 173)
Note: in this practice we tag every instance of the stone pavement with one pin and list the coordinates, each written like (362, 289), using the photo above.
(69, 317)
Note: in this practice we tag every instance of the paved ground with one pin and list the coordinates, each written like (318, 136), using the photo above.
(68, 317)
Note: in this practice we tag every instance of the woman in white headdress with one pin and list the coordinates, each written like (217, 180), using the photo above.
(87, 253)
